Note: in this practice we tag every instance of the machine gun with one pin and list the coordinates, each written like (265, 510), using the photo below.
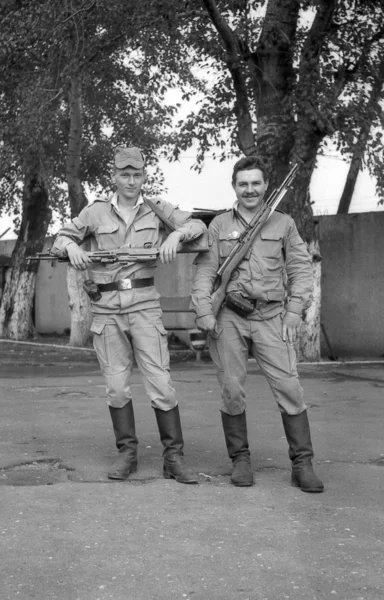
(124, 254)
(246, 240)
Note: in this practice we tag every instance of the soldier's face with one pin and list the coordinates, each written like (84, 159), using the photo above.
(128, 182)
(250, 188)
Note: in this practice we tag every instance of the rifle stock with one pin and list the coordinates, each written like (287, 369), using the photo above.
(246, 240)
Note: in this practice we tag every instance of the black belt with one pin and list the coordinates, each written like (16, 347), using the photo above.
(125, 284)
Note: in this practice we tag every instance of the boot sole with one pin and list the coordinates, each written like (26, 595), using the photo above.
(309, 491)
(179, 480)
(111, 476)
(250, 484)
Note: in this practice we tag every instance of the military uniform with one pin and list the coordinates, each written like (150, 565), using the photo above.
(277, 253)
(127, 319)
(276, 276)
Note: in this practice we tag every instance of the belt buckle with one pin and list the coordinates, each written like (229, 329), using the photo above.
(124, 284)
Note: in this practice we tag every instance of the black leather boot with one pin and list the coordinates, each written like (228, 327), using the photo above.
(298, 435)
(236, 439)
(123, 421)
(171, 435)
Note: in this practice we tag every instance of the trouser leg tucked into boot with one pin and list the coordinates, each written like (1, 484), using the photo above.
(298, 436)
(236, 439)
(172, 438)
(123, 421)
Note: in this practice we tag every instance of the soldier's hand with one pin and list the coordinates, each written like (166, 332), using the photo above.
(291, 327)
(78, 258)
(206, 323)
(168, 250)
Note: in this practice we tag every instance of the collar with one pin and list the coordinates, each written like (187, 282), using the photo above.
(139, 201)
(235, 213)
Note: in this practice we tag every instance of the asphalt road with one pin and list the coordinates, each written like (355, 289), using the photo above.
(69, 533)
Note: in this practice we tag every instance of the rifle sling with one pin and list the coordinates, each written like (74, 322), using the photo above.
(159, 213)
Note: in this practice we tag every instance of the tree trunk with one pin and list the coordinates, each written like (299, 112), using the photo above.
(79, 305)
(17, 302)
(353, 173)
(308, 346)
(78, 300)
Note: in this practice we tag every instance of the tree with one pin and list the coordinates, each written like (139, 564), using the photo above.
(83, 68)
(24, 149)
(283, 72)
(370, 114)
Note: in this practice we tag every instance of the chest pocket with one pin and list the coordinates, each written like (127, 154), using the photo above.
(144, 232)
(271, 249)
(226, 245)
(107, 237)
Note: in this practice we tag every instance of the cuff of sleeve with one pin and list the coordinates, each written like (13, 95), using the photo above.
(203, 310)
(294, 306)
(59, 248)
(184, 229)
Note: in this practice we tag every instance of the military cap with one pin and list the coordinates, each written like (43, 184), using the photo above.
(129, 157)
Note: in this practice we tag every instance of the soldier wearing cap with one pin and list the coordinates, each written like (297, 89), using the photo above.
(270, 289)
(127, 318)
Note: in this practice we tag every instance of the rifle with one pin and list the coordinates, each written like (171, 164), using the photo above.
(246, 240)
(125, 254)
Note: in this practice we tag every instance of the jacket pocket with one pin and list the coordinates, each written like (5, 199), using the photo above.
(106, 237)
(144, 233)
(271, 246)
(226, 244)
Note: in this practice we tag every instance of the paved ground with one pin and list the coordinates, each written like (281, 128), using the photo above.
(68, 533)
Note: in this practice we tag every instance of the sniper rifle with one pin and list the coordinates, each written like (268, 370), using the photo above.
(246, 240)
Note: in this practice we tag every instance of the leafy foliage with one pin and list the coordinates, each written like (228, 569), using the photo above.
(288, 77)
(127, 55)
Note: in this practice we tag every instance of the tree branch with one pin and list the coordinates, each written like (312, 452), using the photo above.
(231, 43)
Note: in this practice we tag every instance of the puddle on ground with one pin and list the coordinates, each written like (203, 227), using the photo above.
(44, 472)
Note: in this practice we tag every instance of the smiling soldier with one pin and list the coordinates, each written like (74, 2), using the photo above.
(261, 317)
(127, 318)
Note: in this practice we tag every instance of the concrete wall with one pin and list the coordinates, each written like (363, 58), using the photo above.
(352, 247)
(175, 280)
(52, 313)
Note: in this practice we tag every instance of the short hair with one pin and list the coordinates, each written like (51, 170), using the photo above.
(247, 164)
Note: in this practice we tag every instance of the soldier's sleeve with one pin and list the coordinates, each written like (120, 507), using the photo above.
(206, 267)
(299, 271)
(182, 221)
(76, 231)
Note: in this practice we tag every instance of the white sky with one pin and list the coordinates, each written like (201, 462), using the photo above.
(212, 187)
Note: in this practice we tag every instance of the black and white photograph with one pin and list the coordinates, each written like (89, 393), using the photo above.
(191, 299)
